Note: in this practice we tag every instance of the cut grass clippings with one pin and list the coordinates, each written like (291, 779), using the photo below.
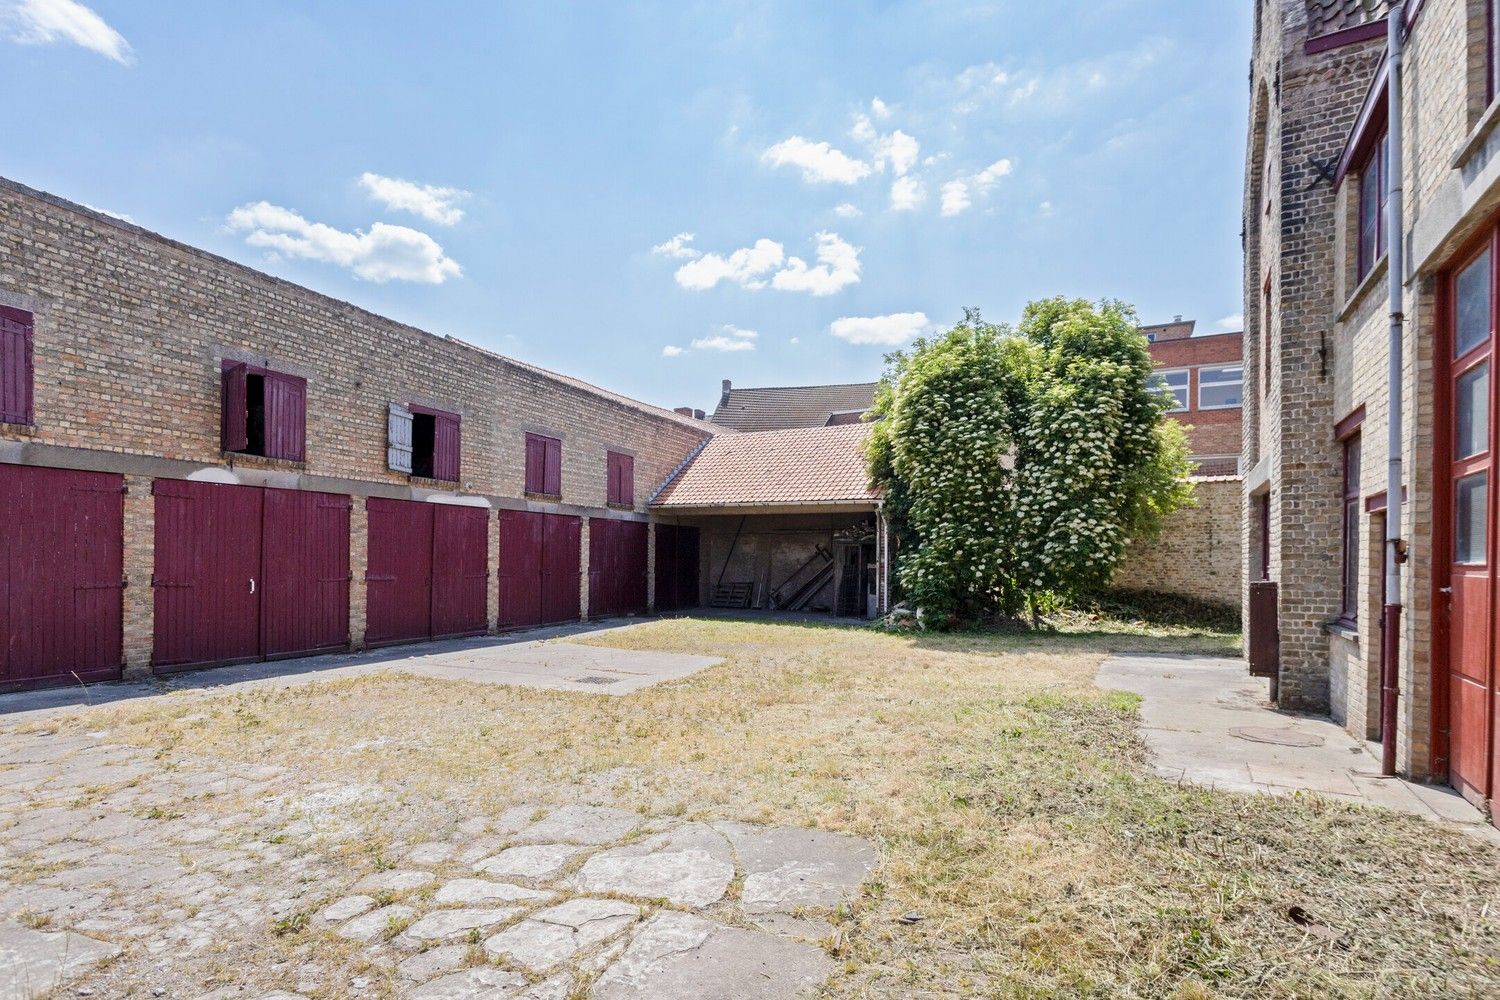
(1027, 850)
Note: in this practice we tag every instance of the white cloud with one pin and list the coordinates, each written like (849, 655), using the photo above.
(677, 247)
(955, 198)
(728, 338)
(795, 340)
(990, 175)
(104, 211)
(819, 162)
(862, 130)
(897, 149)
(43, 22)
(839, 267)
(747, 267)
(896, 328)
(847, 211)
(907, 193)
(880, 109)
(435, 204)
(385, 253)
(1045, 208)
(1232, 323)
(671, 351)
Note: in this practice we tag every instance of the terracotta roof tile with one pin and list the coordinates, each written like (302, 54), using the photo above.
(805, 465)
(781, 407)
(1325, 16)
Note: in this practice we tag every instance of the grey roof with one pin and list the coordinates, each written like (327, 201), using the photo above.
(777, 408)
(1324, 16)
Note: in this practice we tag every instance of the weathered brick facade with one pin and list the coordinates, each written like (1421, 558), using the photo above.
(1213, 433)
(1198, 552)
(1326, 330)
(130, 333)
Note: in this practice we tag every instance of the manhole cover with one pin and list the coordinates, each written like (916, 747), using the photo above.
(1280, 737)
(595, 680)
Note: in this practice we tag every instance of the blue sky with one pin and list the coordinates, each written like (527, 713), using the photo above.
(521, 174)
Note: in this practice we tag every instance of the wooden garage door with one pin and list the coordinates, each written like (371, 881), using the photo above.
(305, 573)
(399, 574)
(460, 570)
(61, 573)
(207, 573)
(539, 568)
(617, 567)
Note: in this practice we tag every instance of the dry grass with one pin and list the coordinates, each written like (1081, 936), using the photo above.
(1008, 796)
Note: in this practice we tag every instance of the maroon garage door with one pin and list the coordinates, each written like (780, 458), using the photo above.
(427, 575)
(539, 556)
(676, 567)
(617, 567)
(61, 575)
(247, 573)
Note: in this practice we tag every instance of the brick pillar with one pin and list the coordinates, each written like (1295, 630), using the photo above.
(140, 561)
(651, 566)
(359, 548)
(583, 568)
(492, 570)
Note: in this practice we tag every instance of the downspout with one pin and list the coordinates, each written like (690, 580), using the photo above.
(1390, 653)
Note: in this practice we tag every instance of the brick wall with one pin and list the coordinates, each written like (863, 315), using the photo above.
(1212, 432)
(130, 332)
(1198, 553)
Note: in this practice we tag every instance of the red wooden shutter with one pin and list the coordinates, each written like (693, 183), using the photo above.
(16, 326)
(611, 477)
(553, 483)
(626, 474)
(233, 434)
(286, 416)
(536, 464)
(445, 447)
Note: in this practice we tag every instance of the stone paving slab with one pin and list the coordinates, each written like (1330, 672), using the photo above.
(1191, 706)
(34, 962)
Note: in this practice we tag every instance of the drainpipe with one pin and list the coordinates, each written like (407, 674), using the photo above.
(1390, 653)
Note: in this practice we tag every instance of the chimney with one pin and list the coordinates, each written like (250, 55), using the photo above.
(1177, 318)
(727, 385)
(699, 414)
(683, 411)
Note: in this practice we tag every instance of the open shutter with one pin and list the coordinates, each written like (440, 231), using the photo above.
(553, 483)
(286, 416)
(445, 447)
(398, 439)
(233, 432)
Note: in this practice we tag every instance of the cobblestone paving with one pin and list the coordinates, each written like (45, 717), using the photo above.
(125, 874)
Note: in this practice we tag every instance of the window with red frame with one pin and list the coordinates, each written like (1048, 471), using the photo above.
(543, 465)
(263, 412)
(16, 326)
(1349, 603)
(620, 469)
(1372, 202)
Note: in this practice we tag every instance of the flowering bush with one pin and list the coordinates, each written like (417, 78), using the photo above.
(1017, 464)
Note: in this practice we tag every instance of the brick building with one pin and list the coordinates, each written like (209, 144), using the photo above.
(202, 464)
(1320, 223)
(1206, 375)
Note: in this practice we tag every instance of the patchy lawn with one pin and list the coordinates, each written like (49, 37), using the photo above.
(1026, 849)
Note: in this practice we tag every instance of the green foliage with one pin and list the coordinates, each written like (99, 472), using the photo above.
(1017, 464)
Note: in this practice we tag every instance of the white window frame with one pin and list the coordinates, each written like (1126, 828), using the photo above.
(1187, 386)
(1221, 382)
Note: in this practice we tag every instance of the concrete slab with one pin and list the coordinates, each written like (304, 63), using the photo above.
(1208, 722)
(537, 659)
(33, 963)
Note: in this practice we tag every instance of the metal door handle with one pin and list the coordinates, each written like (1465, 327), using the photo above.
(1445, 590)
(252, 585)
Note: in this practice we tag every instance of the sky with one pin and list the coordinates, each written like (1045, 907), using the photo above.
(658, 196)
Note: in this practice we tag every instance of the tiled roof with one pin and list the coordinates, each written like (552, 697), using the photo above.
(1324, 16)
(804, 465)
(780, 407)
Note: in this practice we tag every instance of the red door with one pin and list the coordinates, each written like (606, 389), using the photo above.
(207, 574)
(561, 552)
(1470, 591)
(305, 586)
(520, 568)
(460, 576)
(617, 567)
(61, 573)
(399, 574)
